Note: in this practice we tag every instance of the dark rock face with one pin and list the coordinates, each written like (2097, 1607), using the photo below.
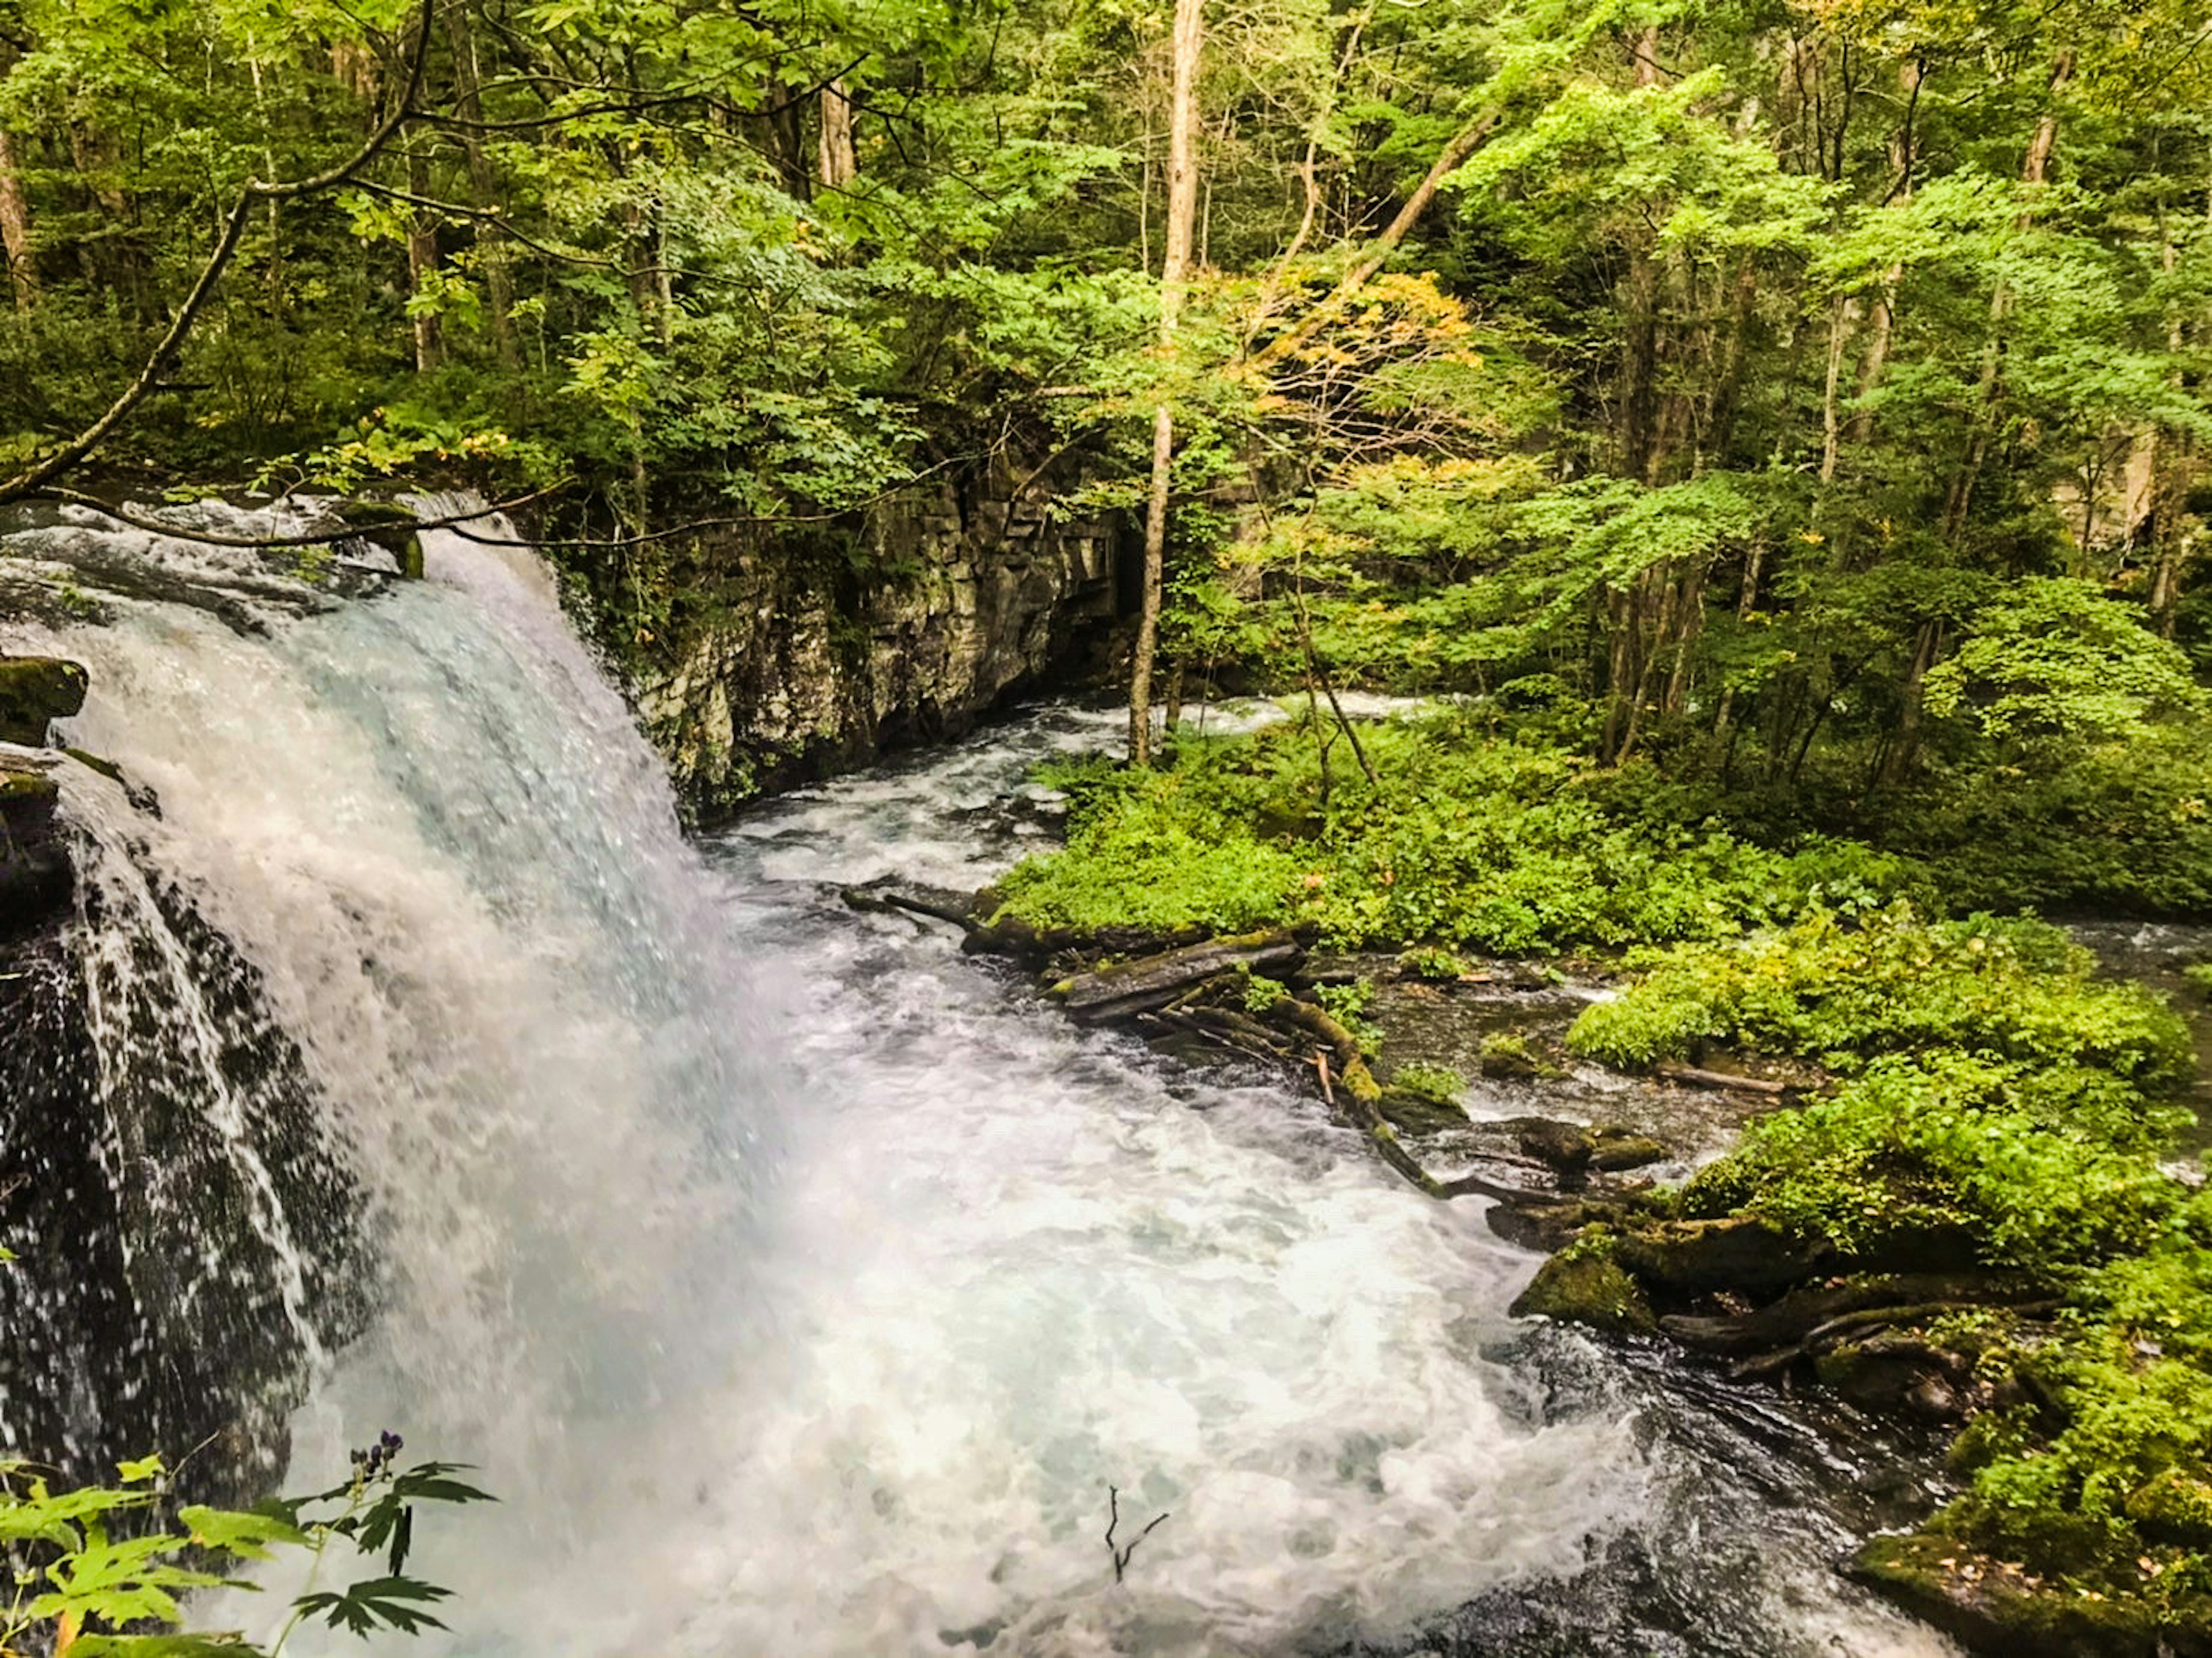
(34, 692)
(147, 1307)
(34, 866)
(805, 667)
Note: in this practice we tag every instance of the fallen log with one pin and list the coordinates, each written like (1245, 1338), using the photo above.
(1722, 1080)
(884, 900)
(1152, 982)
(1694, 1078)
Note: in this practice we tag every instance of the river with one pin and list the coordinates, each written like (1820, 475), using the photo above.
(800, 1284)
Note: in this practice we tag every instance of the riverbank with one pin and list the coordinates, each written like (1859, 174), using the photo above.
(1957, 1199)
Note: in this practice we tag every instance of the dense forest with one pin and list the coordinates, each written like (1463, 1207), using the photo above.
(1810, 398)
(1773, 438)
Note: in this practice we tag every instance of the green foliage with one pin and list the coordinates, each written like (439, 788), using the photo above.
(93, 1567)
(1437, 1083)
(2016, 990)
(2002, 1109)
(1471, 841)
(2048, 1169)
(1433, 964)
(1349, 1005)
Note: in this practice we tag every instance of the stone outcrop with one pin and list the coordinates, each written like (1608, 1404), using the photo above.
(957, 598)
(35, 866)
(34, 692)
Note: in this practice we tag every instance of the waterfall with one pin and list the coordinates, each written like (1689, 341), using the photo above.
(801, 1284)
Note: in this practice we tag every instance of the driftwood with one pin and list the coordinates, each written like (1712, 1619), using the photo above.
(1697, 1078)
(1146, 985)
(884, 900)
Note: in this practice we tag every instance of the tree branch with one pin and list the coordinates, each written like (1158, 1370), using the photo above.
(39, 473)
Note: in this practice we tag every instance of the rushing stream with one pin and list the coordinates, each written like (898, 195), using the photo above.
(800, 1284)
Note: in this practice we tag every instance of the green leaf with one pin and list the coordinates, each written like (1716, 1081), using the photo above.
(247, 1534)
(376, 1600)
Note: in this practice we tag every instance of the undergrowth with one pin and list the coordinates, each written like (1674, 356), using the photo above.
(1468, 841)
(1997, 1100)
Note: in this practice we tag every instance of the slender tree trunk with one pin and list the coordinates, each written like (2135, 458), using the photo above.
(483, 189)
(840, 163)
(1468, 139)
(1175, 271)
(1842, 322)
(2173, 467)
(1727, 391)
(422, 262)
(16, 224)
(1905, 749)
(2033, 171)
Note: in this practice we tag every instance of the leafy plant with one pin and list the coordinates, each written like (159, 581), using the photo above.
(93, 1567)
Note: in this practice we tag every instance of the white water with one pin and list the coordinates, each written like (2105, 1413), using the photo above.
(801, 1285)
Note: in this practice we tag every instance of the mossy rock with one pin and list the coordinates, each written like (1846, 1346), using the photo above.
(1564, 1148)
(1418, 1111)
(1995, 1606)
(1586, 1285)
(2173, 1507)
(1739, 1253)
(1509, 1058)
(1614, 1150)
(34, 692)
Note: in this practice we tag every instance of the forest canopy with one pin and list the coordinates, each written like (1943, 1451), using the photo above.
(1810, 398)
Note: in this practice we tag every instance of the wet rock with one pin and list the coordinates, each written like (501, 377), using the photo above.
(1614, 1150)
(796, 663)
(34, 866)
(1509, 1057)
(1564, 1147)
(34, 692)
(1587, 1286)
(1418, 1112)
(1739, 1253)
(1536, 1221)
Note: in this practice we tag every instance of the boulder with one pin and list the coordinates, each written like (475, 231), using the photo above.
(1586, 1285)
(35, 866)
(1740, 1252)
(34, 692)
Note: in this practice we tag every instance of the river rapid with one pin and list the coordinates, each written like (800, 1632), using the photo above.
(802, 1285)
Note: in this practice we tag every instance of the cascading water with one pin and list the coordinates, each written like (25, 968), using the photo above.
(799, 1283)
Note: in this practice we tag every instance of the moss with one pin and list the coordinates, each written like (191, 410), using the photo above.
(1587, 1285)
(1508, 1056)
(1418, 1112)
(2175, 1507)
(34, 692)
(1994, 1605)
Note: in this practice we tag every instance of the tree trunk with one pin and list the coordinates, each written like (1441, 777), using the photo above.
(1464, 144)
(491, 252)
(1175, 271)
(422, 262)
(2033, 171)
(16, 224)
(1842, 322)
(840, 163)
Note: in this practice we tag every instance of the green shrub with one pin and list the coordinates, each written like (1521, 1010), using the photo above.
(2045, 1167)
(1469, 842)
(2014, 989)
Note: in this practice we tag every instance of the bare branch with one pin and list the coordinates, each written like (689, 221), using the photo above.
(42, 472)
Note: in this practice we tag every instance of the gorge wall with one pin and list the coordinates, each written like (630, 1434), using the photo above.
(796, 659)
